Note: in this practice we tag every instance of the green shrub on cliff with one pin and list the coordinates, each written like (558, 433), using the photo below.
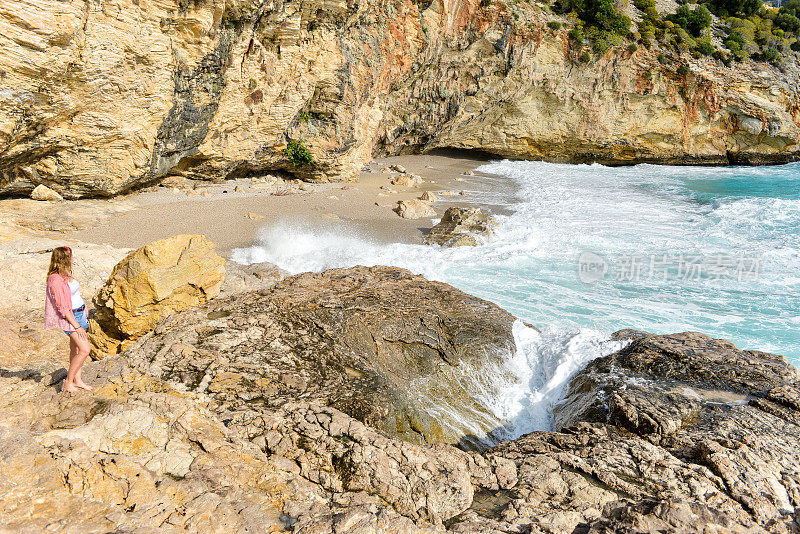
(648, 9)
(704, 47)
(576, 34)
(693, 21)
(747, 28)
(298, 153)
(725, 8)
(787, 22)
(604, 25)
(770, 54)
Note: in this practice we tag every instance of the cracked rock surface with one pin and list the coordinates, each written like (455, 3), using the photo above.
(386, 347)
(199, 427)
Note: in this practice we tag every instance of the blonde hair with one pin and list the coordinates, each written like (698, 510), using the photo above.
(61, 262)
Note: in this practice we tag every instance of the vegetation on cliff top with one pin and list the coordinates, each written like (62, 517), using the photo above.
(725, 29)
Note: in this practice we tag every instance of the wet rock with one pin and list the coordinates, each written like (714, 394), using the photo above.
(675, 429)
(461, 227)
(655, 383)
(390, 349)
(149, 284)
(414, 209)
(42, 192)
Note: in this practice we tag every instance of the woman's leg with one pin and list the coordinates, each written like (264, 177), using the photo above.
(69, 386)
(78, 355)
(79, 378)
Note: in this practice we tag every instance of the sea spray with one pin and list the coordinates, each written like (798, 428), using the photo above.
(504, 400)
(544, 362)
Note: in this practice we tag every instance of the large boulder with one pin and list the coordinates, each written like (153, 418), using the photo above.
(151, 283)
(407, 180)
(407, 356)
(461, 227)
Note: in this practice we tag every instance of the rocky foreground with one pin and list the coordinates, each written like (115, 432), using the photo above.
(293, 408)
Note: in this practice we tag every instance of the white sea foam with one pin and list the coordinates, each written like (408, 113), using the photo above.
(529, 267)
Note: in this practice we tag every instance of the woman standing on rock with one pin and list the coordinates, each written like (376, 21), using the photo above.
(64, 309)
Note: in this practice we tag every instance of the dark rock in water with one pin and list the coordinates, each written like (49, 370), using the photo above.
(389, 348)
(676, 433)
(657, 382)
(461, 227)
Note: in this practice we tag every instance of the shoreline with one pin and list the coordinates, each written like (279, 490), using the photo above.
(231, 214)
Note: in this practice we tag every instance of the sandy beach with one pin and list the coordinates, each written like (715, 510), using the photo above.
(231, 213)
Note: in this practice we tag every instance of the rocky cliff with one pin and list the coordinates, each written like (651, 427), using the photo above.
(100, 97)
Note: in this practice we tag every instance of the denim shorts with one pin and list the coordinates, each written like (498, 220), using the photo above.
(80, 317)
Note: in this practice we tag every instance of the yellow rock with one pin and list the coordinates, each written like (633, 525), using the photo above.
(101, 344)
(153, 282)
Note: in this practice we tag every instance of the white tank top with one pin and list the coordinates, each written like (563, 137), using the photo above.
(75, 289)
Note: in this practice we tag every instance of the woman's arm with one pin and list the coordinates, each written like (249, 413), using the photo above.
(59, 290)
(71, 320)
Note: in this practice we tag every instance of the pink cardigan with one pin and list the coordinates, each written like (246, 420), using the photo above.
(58, 303)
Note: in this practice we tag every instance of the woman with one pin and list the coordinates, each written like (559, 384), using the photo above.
(64, 308)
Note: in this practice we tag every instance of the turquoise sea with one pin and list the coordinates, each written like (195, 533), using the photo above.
(584, 250)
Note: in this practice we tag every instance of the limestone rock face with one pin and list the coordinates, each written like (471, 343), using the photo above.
(461, 227)
(344, 455)
(140, 455)
(99, 98)
(414, 209)
(152, 282)
(388, 348)
(242, 278)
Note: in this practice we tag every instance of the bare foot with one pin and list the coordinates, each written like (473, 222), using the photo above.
(84, 385)
(69, 388)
